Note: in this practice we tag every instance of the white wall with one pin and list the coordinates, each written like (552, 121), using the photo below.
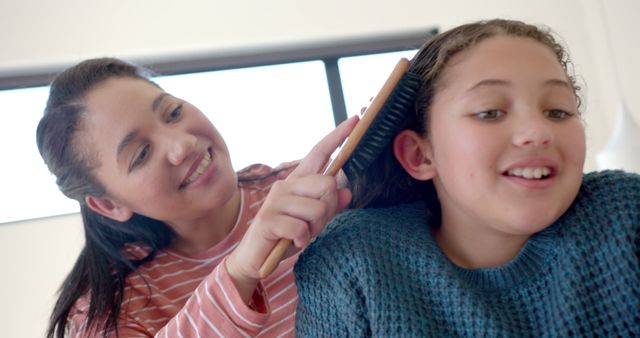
(35, 255)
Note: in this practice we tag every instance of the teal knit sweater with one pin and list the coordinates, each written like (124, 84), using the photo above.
(379, 272)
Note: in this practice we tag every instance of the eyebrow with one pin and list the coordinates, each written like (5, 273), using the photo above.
(156, 102)
(559, 83)
(126, 141)
(488, 83)
(134, 133)
(497, 82)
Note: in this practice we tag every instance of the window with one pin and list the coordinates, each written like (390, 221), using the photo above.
(28, 189)
(363, 76)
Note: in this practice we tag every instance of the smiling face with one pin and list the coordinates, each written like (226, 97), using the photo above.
(505, 139)
(157, 155)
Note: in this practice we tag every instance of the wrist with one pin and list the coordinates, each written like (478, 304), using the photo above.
(245, 285)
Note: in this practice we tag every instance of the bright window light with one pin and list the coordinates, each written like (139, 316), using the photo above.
(363, 76)
(28, 189)
(269, 115)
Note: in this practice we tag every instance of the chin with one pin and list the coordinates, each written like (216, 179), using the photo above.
(533, 221)
(531, 228)
(226, 190)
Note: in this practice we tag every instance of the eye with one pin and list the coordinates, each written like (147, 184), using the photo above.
(556, 114)
(490, 115)
(175, 114)
(139, 157)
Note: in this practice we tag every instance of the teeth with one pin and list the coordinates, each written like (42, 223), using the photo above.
(204, 164)
(530, 173)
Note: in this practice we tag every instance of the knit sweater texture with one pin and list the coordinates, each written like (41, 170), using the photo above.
(380, 273)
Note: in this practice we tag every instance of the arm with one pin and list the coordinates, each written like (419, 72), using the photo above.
(296, 209)
(215, 309)
(230, 301)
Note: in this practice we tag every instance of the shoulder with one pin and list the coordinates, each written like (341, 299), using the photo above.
(358, 239)
(615, 180)
(608, 202)
(356, 220)
(610, 187)
(368, 221)
(259, 176)
(258, 169)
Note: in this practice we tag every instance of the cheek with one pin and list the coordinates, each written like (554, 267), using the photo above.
(155, 184)
(467, 150)
(574, 144)
(151, 181)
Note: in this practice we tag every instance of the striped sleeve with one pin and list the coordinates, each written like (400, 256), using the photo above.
(78, 329)
(217, 310)
(179, 295)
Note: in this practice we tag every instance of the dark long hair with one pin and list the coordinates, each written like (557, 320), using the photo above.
(102, 266)
(385, 182)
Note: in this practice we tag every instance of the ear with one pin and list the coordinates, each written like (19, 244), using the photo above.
(414, 154)
(108, 208)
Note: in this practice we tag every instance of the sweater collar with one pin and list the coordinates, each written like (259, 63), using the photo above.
(527, 265)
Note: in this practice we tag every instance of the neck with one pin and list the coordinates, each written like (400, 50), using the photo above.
(208, 231)
(475, 250)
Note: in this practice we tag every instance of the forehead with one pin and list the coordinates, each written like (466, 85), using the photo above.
(118, 102)
(503, 57)
(112, 109)
(118, 95)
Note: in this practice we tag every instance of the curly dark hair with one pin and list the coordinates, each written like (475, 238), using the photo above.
(385, 182)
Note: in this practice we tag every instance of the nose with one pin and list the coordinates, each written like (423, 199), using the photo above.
(179, 146)
(533, 132)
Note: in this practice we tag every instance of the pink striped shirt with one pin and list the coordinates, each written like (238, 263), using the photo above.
(191, 295)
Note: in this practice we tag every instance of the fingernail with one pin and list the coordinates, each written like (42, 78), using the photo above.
(349, 119)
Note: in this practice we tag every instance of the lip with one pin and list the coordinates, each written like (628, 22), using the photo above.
(205, 175)
(533, 184)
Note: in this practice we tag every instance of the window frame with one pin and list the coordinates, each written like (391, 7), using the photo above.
(328, 51)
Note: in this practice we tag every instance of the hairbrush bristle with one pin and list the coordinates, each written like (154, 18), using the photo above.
(385, 126)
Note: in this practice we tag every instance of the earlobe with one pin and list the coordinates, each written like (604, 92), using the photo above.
(108, 208)
(414, 154)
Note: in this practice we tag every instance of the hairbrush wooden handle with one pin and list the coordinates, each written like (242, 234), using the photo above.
(368, 117)
(347, 149)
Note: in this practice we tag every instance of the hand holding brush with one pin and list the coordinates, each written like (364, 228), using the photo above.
(380, 123)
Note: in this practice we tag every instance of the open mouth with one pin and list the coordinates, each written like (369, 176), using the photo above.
(200, 169)
(530, 173)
